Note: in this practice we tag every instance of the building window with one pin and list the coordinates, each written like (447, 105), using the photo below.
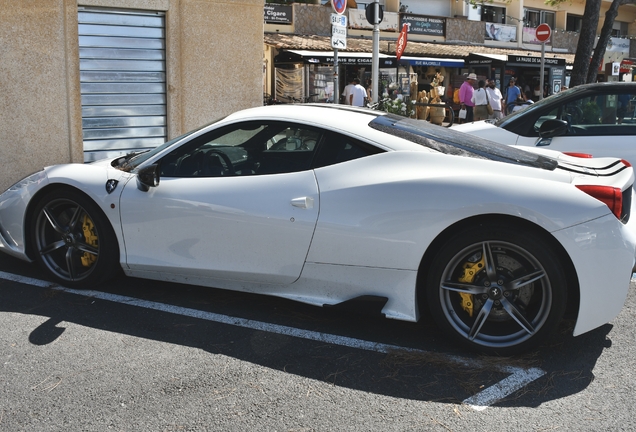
(619, 29)
(493, 14)
(573, 23)
(532, 18)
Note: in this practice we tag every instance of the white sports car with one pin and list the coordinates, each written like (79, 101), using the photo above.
(326, 204)
(597, 119)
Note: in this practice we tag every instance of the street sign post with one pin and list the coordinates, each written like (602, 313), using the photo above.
(339, 6)
(338, 40)
(542, 33)
(338, 37)
(338, 20)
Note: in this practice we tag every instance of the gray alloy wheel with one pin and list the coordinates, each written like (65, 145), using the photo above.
(72, 239)
(499, 291)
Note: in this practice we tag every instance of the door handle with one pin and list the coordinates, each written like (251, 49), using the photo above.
(303, 202)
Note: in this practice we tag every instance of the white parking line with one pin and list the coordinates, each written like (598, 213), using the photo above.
(517, 379)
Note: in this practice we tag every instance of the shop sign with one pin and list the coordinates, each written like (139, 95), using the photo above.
(402, 41)
(358, 20)
(383, 62)
(424, 25)
(618, 45)
(500, 32)
(278, 14)
(434, 63)
(480, 61)
(536, 60)
(626, 66)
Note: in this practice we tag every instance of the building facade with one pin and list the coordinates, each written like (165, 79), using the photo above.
(78, 78)
(496, 40)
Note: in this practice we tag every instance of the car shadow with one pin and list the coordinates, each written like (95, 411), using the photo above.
(429, 372)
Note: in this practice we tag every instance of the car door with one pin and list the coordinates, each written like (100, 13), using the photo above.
(239, 204)
(600, 123)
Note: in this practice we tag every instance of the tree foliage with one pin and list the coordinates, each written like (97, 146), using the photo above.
(584, 70)
(585, 45)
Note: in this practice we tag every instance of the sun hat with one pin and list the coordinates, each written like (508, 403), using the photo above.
(472, 76)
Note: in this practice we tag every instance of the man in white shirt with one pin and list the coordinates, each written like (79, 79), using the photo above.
(358, 94)
(495, 99)
(348, 91)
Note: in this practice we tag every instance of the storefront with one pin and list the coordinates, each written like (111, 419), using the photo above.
(526, 70)
(491, 66)
(309, 76)
(424, 70)
(304, 75)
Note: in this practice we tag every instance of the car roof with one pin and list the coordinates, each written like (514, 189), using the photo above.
(395, 132)
(564, 96)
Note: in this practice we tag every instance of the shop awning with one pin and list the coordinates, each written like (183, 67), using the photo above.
(344, 58)
(363, 58)
(485, 59)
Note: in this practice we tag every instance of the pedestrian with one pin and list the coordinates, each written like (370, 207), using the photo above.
(358, 94)
(495, 99)
(369, 91)
(519, 104)
(466, 92)
(512, 93)
(348, 91)
(528, 98)
(480, 100)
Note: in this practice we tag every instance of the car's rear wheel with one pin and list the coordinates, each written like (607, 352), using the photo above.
(72, 239)
(497, 289)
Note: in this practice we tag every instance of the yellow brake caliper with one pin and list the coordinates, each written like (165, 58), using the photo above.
(470, 271)
(88, 259)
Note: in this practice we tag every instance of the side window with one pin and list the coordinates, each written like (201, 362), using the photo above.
(248, 148)
(215, 154)
(602, 114)
(290, 150)
(336, 148)
(626, 109)
(608, 114)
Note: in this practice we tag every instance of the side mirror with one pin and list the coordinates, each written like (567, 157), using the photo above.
(148, 177)
(552, 128)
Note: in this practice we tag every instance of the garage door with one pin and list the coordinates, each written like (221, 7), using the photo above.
(123, 81)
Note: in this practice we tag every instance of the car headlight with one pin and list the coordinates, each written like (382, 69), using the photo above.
(36, 177)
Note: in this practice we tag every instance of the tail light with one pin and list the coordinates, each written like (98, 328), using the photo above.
(579, 155)
(626, 163)
(611, 196)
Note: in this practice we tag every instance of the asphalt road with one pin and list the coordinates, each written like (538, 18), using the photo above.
(140, 355)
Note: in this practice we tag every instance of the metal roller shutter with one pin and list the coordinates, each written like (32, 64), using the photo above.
(123, 81)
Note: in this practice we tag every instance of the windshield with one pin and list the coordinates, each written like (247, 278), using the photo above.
(453, 142)
(131, 161)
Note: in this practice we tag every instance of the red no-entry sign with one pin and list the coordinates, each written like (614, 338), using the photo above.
(543, 32)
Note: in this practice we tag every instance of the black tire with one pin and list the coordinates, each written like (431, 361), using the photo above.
(497, 289)
(72, 239)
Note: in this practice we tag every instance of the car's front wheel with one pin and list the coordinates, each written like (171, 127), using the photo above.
(497, 289)
(72, 239)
